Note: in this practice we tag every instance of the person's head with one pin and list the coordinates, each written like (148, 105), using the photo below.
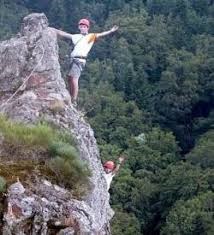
(109, 166)
(84, 25)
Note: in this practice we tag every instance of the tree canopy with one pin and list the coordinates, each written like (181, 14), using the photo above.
(148, 92)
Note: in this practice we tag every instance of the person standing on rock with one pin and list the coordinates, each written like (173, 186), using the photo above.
(111, 170)
(83, 43)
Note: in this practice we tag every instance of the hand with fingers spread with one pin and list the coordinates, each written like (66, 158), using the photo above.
(121, 159)
(114, 28)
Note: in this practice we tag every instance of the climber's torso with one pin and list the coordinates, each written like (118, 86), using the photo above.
(109, 178)
(82, 45)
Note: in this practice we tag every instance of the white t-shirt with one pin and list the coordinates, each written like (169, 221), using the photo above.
(109, 178)
(82, 44)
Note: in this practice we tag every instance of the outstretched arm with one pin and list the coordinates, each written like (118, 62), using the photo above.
(112, 30)
(63, 34)
(121, 160)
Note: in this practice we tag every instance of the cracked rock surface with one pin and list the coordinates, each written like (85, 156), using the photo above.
(31, 59)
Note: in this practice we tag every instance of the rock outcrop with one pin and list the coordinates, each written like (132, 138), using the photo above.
(31, 59)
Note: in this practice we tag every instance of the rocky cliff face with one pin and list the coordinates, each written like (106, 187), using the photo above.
(31, 59)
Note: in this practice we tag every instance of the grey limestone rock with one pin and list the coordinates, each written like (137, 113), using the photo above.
(30, 60)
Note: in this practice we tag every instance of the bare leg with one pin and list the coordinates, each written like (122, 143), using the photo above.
(73, 87)
(70, 85)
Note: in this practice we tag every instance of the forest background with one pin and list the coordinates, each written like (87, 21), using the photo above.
(148, 92)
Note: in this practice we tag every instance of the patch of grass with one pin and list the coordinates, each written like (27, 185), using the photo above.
(2, 184)
(68, 167)
(20, 169)
(63, 164)
(20, 134)
(61, 148)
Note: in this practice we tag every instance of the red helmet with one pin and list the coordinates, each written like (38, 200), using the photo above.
(109, 165)
(84, 22)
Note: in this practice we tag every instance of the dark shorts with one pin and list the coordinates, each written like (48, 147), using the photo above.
(76, 68)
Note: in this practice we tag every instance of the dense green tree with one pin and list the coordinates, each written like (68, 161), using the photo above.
(10, 17)
(158, 150)
(117, 119)
(194, 216)
(181, 181)
(125, 224)
(57, 13)
(203, 152)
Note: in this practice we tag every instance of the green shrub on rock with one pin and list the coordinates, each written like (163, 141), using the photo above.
(2, 185)
(62, 160)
